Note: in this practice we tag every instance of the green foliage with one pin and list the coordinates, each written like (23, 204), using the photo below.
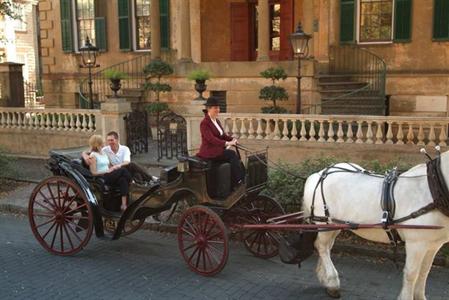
(199, 74)
(7, 9)
(274, 110)
(288, 189)
(157, 107)
(114, 74)
(273, 92)
(158, 68)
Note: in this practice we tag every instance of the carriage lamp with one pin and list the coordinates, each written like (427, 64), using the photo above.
(183, 165)
(89, 56)
(300, 44)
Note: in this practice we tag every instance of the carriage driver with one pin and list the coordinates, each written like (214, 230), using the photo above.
(120, 155)
(214, 141)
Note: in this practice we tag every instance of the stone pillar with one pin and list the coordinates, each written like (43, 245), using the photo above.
(155, 30)
(11, 85)
(195, 28)
(185, 48)
(263, 30)
(113, 111)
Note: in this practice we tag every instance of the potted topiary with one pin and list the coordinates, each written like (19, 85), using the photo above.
(274, 92)
(155, 70)
(199, 76)
(115, 76)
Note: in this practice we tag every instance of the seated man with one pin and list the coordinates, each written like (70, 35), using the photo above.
(120, 155)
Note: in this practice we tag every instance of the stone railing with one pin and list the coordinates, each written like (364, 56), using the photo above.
(394, 130)
(50, 119)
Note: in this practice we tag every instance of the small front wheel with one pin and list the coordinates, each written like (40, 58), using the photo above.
(203, 240)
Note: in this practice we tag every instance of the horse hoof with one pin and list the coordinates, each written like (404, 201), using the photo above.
(333, 292)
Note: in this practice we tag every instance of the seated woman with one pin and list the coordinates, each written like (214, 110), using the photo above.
(101, 166)
(214, 141)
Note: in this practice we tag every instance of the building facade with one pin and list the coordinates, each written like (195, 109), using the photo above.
(237, 39)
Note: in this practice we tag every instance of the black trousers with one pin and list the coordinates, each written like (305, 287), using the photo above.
(121, 178)
(231, 157)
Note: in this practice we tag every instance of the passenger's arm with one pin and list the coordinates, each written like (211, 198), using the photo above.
(127, 157)
(87, 159)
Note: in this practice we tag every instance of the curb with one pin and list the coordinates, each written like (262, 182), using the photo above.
(340, 247)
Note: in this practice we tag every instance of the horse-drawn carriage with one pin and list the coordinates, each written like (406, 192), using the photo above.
(66, 208)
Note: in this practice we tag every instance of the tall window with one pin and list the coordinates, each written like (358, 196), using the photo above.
(441, 20)
(143, 24)
(376, 20)
(85, 21)
(275, 27)
(20, 22)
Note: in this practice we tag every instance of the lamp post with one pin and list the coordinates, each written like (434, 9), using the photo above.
(300, 44)
(89, 56)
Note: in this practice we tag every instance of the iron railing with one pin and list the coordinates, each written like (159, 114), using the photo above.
(100, 84)
(33, 94)
(357, 65)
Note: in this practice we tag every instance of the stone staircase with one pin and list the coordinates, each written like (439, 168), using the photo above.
(342, 95)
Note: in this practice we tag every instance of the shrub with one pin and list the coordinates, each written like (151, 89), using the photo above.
(273, 92)
(114, 74)
(199, 74)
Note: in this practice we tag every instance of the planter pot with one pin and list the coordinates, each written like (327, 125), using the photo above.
(115, 86)
(200, 87)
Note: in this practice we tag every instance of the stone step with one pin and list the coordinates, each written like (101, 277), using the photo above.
(341, 85)
(333, 78)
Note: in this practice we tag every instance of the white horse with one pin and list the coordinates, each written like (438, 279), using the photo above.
(355, 197)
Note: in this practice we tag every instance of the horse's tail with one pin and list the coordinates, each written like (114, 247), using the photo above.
(309, 191)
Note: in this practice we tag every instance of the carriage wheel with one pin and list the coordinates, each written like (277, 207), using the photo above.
(261, 243)
(203, 241)
(110, 224)
(60, 216)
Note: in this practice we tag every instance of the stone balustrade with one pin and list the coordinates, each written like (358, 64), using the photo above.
(72, 120)
(395, 130)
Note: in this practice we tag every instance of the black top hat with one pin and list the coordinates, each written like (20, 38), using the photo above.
(212, 101)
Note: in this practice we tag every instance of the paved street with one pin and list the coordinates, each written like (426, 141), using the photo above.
(147, 265)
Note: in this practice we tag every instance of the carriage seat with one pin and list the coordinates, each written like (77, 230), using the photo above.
(218, 178)
(79, 165)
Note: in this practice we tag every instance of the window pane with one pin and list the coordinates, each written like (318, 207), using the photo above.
(85, 20)
(275, 27)
(143, 24)
(375, 20)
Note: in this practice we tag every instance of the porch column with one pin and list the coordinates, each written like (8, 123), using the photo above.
(155, 30)
(185, 49)
(263, 30)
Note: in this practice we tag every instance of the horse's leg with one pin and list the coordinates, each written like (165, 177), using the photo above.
(326, 272)
(420, 287)
(415, 253)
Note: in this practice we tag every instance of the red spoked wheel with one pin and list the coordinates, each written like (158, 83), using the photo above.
(60, 216)
(203, 240)
(261, 243)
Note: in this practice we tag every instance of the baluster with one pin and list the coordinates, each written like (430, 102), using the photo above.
(443, 136)
(91, 123)
(60, 122)
(226, 126)
(2, 119)
(84, 124)
(410, 134)
(36, 119)
(389, 133)
(340, 132)
(303, 131)
(400, 135)
(259, 129)
(285, 131)
(432, 136)
(359, 134)
(8, 120)
(13, 120)
(268, 130)
(277, 132)
(48, 121)
(312, 132)
(321, 132)
(294, 131)
(67, 118)
(235, 132)
(243, 130)
(369, 134)
(42, 119)
(379, 133)
(330, 132)
(420, 135)
(251, 131)
(20, 120)
(349, 133)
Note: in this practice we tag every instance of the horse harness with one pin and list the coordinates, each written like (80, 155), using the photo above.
(437, 186)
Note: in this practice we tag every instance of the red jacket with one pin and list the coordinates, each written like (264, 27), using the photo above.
(212, 143)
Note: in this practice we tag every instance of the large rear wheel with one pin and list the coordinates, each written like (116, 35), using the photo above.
(203, 240)
(60, 216)
(261, 243)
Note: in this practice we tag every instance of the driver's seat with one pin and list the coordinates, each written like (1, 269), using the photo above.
(218, 179)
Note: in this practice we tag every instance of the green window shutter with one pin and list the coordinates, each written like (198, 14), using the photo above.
(402, 20)
(124, 25)
(347, 11)
(165, 23)
(66, 25)
(441, 19)
(100, 33)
